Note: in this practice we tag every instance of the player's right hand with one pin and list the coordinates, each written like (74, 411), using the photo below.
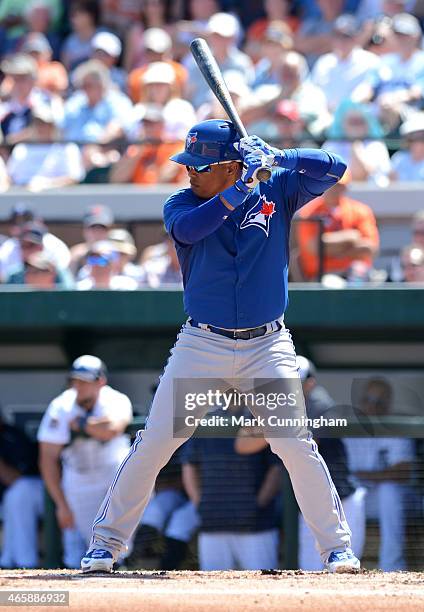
(64, 516)
(254, 144)
(252, 164)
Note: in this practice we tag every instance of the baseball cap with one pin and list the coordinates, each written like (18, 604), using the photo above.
(107, 42)
(33, 232)
(289, 109)
(88, 368)
(20, 64)
(122, 241)
(159, 72)
(406, 24)
(224, 24)
(346, 25)
(21, 213)
(98, 215)
(414, 124)
(306, 368)
(157, 40)
(36, 42)
(279, 32)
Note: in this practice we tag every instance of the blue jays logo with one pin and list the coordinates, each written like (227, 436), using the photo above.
(259, 215)
(191, 139)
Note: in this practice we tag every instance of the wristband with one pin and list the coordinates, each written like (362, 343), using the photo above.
(236, 194)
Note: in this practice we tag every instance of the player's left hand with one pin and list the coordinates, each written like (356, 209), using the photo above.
(252, 164)
(254, 144)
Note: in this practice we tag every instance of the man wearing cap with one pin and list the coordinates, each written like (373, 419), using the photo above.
(82, 430)
(223, 31)
(338, 73)
(52, 75)
(157, 46)
(11, 254)
(41, 163)
(21, 73)
(97, 221)
(107, 49)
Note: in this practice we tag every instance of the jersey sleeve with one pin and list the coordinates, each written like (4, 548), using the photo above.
(54, 426)
(176, 205)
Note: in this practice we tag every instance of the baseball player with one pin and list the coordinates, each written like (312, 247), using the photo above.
(231, 234)
(82, 430)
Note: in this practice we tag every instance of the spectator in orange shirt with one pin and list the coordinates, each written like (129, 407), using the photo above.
(149, 163)
(157, 45)
(350, 233)
(52, 76)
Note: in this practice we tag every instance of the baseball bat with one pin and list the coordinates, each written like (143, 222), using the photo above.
(213, 76)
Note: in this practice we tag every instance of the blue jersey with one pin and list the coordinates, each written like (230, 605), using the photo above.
(237, 276)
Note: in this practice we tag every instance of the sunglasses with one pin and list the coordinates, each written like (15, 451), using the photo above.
(207, 167)
(99, 260)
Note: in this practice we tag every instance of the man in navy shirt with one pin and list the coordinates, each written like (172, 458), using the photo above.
(232, 237)
(238, 513)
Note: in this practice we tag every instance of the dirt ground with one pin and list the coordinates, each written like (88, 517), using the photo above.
(223, 591)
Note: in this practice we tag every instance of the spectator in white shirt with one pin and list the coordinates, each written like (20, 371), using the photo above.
(408, 164)
(47, 165)
(338, 73)
(101, 263)
(383, 465)
(366, 155)
(11, 256)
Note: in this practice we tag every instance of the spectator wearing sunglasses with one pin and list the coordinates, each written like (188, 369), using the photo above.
(408, 165)
(383, 465)
(101, 270)
(97, 222)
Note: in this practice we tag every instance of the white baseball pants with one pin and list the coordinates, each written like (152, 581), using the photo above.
(243, 551)
(199, 353)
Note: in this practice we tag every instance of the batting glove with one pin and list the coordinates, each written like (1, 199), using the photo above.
(252, 164)
(254, 144)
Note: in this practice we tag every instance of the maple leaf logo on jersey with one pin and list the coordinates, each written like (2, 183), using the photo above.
(259, 215)
(191, 139)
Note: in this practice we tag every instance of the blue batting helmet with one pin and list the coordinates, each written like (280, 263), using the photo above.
(209, 142)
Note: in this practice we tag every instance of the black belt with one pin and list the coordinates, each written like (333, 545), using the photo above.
(248, 334)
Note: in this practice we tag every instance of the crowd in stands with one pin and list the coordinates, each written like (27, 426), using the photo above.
(103, 91)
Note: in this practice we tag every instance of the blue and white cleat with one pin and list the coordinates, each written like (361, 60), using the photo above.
(97, 560)
(342, 561)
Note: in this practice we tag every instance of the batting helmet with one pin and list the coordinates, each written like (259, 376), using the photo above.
(209, 142)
